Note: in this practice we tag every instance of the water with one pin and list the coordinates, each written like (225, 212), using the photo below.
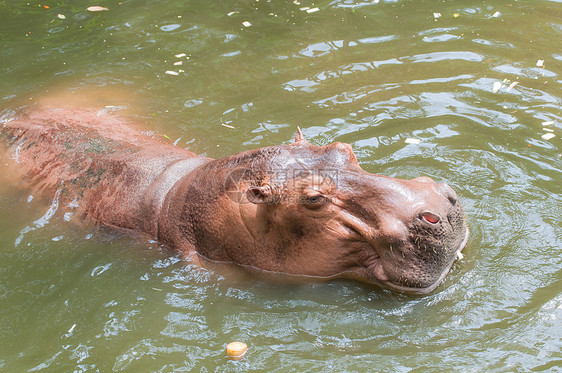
(81, 298)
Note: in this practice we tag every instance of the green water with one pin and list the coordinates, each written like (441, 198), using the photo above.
(372, 74)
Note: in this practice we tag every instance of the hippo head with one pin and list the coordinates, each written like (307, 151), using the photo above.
(311, 210)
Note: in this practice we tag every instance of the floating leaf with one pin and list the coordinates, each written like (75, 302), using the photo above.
(96, 8)
(511, 86)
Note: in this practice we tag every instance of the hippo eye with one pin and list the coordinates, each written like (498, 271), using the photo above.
(430, 218)
(314, 200)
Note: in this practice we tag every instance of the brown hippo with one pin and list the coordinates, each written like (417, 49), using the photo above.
(294, 209)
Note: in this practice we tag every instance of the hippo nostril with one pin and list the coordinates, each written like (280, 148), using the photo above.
(430, 218)
(449, 193)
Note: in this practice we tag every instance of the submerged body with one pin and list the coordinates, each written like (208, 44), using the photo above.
(296, 209)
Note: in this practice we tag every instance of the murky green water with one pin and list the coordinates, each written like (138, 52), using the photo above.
(368, 73)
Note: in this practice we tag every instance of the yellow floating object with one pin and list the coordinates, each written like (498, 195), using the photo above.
(236, 350)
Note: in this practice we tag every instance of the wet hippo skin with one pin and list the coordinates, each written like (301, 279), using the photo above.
(296, 209)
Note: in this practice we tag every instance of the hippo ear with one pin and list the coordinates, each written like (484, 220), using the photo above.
(259, 195)
(299, 137)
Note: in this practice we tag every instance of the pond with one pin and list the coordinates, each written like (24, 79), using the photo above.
(477, 82)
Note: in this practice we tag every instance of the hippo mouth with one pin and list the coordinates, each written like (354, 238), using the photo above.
(381, 278)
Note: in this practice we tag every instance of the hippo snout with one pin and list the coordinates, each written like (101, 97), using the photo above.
(434, 241)
(416, 258)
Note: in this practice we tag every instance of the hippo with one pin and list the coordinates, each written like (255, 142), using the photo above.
(294, 209)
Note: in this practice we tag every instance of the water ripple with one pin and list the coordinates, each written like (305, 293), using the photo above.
(370, 73)
(446, 56)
